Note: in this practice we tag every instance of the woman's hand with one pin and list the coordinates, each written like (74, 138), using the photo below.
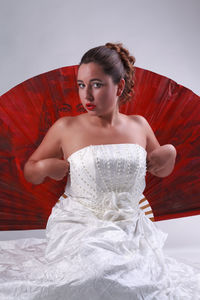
(160, 162)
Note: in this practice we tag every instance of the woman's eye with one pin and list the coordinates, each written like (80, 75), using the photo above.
(81, 85)
(97, 84)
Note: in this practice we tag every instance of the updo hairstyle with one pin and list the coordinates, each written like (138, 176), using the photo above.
(116, 62)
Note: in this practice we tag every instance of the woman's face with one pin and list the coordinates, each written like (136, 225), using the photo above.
(96, 88)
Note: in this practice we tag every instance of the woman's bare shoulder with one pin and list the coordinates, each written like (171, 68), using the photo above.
(137, 118)
(152, 142)
(142, 121)
(63, 121)
(66, 122)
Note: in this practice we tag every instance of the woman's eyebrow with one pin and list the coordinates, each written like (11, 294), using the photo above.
(94, 79)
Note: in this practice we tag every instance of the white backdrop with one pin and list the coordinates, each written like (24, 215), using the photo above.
(40, 35)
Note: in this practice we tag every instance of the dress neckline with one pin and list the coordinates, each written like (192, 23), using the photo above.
(132, 144)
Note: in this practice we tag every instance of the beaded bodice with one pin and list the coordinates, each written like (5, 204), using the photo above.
(107, 177)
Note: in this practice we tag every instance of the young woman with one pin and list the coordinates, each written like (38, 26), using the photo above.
(105, 80)
(99, 244)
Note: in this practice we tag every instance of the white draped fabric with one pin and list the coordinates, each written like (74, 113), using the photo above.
(99, 244)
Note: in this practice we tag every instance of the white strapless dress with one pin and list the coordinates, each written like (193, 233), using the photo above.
(99, 244)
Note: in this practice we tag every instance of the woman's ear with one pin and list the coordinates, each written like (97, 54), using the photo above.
(121, 86)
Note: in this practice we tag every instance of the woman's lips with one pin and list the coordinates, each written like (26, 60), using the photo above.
(90, 106)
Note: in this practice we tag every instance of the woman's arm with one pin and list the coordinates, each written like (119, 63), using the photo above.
(160, 159)
(36, 171)
(46, 160)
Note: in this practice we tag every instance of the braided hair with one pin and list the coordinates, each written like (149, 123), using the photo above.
(116, 62)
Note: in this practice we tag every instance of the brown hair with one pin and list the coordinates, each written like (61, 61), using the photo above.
(116, 62)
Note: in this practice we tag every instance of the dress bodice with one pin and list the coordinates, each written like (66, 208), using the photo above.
(107, 176)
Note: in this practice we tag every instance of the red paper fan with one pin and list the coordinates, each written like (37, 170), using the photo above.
(29, 109)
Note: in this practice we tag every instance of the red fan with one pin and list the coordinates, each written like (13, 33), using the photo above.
(29, 109)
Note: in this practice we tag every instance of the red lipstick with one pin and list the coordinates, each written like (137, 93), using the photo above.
(90, 106)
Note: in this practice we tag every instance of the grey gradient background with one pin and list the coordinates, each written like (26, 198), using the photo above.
(40, 35)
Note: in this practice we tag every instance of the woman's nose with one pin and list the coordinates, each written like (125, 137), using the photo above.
(88, 93)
